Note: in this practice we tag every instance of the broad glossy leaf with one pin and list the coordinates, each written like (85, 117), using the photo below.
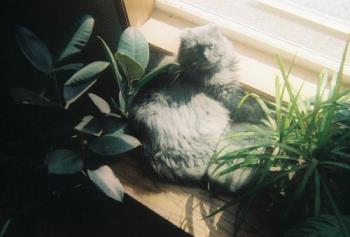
(106, 180)
(34, 49)
(77, 37)
(72, 93)
(114, 144)
(113, 125)
(25, 96)
(100, 103)
(63, 161)
(86, 73)
(69, 67)
(90, 125)
(131, 68)
(318, 226)
(134, 44)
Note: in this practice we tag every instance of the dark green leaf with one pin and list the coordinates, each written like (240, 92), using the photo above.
(69, 67)
(114, 66)
(5, 228)
(24, 96)
(34, 49)
(90, 125)
(114, 144)
(131, 68)
(63, 161)
(152, 75)
(86, 73)
(134, 45)
(100, 103)
(77, 37)
(106, 180)
(72, 93)
(318, 226)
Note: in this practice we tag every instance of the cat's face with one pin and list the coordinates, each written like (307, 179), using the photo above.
(204, 49)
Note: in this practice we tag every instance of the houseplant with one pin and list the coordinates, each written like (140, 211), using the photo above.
(300, 157)
(104, 134)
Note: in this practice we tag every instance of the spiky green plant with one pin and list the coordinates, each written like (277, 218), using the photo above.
(300, 149)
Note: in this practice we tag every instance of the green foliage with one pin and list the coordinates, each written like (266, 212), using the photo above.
(133, 44)
(105, 179)
(318, 226)
(128, 65)
(86, 73)
(77, 37)
(299, 148)
(63, 161)
(114, 144)
(34, 50)
(40, 57)
(132, 57)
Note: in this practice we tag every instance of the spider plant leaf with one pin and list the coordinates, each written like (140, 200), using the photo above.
(77, 37)
(34, 49)
(335, 164)
(134, 45)
(343, 227)
(87, 73)
(318, 226)
(317, 196)
(299, 191)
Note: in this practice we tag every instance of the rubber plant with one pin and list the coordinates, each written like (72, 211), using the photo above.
(300, 156)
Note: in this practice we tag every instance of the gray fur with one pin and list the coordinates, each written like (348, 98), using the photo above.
(181, 122)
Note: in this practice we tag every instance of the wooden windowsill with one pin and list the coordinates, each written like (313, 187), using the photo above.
(185, 207)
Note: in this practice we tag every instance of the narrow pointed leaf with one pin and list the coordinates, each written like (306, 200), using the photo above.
(318, 226)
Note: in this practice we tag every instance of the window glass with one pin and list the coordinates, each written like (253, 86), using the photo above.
(283, 24)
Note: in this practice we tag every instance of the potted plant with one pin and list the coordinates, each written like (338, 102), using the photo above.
(300, 157)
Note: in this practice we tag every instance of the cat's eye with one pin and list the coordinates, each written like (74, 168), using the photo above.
(211, 46)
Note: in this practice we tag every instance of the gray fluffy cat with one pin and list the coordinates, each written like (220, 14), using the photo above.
(182, 121)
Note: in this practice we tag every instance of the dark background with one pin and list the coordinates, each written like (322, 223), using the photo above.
(82, 212)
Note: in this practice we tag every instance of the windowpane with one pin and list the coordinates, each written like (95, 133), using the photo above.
(282, 24)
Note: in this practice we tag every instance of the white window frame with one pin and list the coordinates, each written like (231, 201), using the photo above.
(256, 50)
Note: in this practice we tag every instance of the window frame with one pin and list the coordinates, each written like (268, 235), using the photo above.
(163, 15)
